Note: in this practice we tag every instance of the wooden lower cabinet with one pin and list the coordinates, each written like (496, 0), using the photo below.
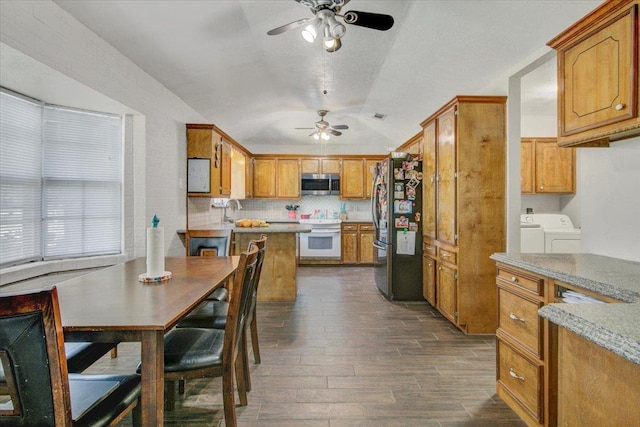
(447, 293)
(357, 243)
(595, 386)
(429, 279)
(520, 352)
(541, 373)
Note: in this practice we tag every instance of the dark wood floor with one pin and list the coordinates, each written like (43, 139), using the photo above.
(342, 355)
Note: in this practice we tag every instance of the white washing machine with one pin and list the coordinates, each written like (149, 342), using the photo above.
(531, 235)
(560, 236)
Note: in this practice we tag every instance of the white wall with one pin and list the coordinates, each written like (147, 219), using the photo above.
(610, 199)
(43, 31)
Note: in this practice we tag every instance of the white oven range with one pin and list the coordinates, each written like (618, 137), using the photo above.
(323, 241)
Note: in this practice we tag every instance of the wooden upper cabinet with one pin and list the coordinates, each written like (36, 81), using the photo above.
(598, 76)
(225, 169)
(446, 177)
(546, 167)
(204, 142)
(526, 166)
(352, 179)
(288, 179)
(369, 172)
(329, 165)
(429, 181)
(264, 178)
(554, 168)
(320, 166)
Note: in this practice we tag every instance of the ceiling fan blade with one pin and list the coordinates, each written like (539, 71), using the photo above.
(333, 132)
(377, 21)
(303, 128)
(342, 127)
(289, 26)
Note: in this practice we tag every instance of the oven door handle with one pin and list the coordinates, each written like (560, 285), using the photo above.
(322, 233)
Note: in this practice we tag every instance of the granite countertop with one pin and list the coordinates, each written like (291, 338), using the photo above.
(611, 277)
(275, 228)
(281, 227)
(611, 326)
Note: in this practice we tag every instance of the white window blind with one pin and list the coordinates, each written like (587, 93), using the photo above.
(20, 177)
(82, 183)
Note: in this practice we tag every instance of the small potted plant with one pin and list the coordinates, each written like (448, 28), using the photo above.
(292, 211)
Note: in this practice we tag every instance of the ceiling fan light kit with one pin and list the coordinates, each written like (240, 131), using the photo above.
(323, 130)
(325, 22)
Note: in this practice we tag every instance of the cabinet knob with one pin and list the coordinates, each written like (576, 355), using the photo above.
(514, 279)
(514, 375)
(620, 107)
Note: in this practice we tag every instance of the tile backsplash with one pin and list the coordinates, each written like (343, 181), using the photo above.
(201, 213)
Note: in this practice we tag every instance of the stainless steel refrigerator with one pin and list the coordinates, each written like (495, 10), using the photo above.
(396, 206)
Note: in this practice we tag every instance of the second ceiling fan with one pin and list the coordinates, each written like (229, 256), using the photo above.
(323, 130)
(325, 24)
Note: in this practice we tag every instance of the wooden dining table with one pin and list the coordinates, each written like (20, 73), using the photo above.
(112, 305)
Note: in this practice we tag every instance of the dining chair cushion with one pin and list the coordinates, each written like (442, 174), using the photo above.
(220, 294)
(212, 314)
(192, 348)
(96, 400)
(81, 355)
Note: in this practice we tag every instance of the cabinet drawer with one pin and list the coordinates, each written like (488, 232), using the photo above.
(522, 378)
(447, 256)
(529, 283)
(429, 249)
(366, 227)
(349, 227)
(518, 317)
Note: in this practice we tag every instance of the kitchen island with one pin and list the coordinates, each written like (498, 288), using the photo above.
(278, 278)
(560, 363)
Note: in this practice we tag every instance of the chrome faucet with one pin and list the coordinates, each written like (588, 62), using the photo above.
(225, 218)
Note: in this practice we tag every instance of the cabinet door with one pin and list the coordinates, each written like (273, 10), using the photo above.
(288, 179)
(429, 181)
(225, 168)
(429, 279)
(350, 244)
(203, 142)
(607, 56)
(447, 292)
(264, 178)
(365, 243)
(249, 178)
(330, 166)
(526, 166)
(554, 168)
(310, 165)
(446, 178)
(369, 173)
(352, 179)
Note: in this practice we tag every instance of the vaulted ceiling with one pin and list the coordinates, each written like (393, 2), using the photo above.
(217, 57)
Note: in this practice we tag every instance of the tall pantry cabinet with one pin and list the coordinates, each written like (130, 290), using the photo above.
(464, 149)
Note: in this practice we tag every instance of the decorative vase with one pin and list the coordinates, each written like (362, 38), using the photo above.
(292, 214)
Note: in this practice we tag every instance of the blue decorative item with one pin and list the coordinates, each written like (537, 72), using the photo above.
(154, 221)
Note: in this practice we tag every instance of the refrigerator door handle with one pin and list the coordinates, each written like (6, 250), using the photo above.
(374, 211)
(375, 245)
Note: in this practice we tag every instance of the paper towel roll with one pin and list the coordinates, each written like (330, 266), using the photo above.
(155, 251)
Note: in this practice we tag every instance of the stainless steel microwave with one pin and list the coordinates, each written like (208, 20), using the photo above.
(320, 184)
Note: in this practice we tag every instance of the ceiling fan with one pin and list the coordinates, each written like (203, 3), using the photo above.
(323, 129)
(326, 24)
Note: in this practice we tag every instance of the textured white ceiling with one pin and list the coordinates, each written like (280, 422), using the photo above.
(217, 57)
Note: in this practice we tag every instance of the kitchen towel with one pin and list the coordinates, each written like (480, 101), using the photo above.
(155, 252)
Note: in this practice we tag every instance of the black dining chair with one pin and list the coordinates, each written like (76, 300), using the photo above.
(191, 353)
(38, 388)
(213, 313)
(211, 245)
